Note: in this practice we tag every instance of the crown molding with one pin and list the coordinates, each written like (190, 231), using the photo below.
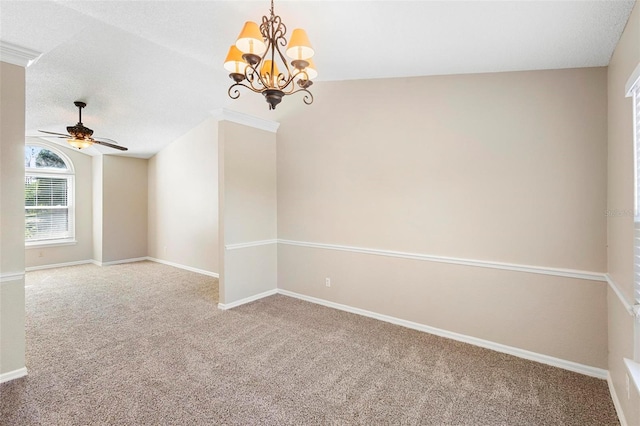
(18, 55)
(224, 114)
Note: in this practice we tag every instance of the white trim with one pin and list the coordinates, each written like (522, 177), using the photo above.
(60, 265)
(634, 78)
(224, 114)
(18, 55)
(14, 276)
(559, 272)
(118, 262)
(616, 401)
(521, 353)
(11, 375)
(54, 243)
(250, 244)
(623, 299)
(225, 306)
(633, 368)
(187, 268)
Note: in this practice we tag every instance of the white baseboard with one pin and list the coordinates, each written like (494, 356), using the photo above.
(225, 306)
(11, 375)
(616, 401)
(10, 277)
(119, 262)
(60, 265)
(522, 353)
(187, 268)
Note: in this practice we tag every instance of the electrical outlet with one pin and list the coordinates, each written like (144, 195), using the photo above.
(327, 282)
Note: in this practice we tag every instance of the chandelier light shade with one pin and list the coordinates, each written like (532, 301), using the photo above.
(234, 62)
(255, 61)
(250, 39)
(299, 46)
(311, 70)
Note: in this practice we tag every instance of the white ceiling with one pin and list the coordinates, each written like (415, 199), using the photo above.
(152, 70)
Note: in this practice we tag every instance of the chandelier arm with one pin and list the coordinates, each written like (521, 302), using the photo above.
(286, 65)
(253, 77)
(308, 97)
(234, 93)
(291, 81)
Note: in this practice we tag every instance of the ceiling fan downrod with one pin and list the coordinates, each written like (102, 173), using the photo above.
(80, 105)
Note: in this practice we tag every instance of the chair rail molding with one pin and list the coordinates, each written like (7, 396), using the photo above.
(628, 306)
(250, 244)
(559, 272)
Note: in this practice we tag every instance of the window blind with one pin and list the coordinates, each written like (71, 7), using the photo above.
(46, 208)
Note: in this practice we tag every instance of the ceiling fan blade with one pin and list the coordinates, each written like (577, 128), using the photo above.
(49, 137)
(110, 145)
(107, 140)
(57, 134)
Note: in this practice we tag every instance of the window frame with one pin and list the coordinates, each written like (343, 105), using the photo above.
(69, 175)
(632, 90)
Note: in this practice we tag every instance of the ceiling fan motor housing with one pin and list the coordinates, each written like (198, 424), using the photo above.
(79, 131)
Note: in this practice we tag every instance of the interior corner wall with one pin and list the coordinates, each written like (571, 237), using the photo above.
(183, 200)
(83, 200)
(12, 310)
(97, 206)
(119, 208)
(248, 203)
(499, 168)
(124, 208)
(620, 204)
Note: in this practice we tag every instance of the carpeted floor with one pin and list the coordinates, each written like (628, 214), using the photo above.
(144, 343)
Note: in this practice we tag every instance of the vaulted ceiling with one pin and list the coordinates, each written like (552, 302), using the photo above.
(151, 70)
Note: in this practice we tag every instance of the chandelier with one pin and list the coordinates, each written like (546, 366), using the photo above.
(253, 61)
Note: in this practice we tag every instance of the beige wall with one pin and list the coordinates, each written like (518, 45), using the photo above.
(119, 208)
(124, 208)
(83, 249)
(620, 200)
(97, 206)
(183, 200)
(248, 205)
(507, 167)
(12, 313)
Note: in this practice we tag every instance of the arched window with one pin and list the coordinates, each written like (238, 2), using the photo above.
(48, 195)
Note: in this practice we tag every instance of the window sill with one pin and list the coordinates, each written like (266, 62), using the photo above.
(633, 368)
(45, 244)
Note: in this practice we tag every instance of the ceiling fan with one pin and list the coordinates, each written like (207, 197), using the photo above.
(81, 137)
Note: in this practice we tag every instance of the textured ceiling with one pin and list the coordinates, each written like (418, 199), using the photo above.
(152, 70)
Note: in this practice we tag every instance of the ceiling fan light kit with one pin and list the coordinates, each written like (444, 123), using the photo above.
(253, 61)
(80, 136)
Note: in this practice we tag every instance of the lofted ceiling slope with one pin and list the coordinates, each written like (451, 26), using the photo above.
(152, 70)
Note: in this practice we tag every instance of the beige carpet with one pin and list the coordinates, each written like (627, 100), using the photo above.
(144, 344)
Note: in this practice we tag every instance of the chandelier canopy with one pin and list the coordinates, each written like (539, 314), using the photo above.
(253, 61)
